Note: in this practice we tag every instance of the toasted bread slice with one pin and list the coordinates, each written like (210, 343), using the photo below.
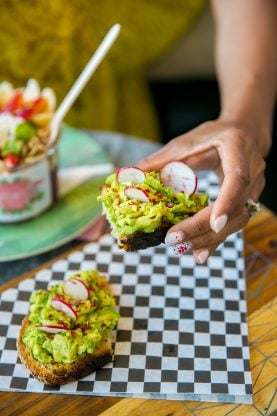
(60, 373)
(141, 240)
(141, 209)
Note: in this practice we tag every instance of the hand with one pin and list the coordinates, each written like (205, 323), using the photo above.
(231, 151)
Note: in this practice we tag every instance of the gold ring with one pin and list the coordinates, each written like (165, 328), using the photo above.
(253, 207)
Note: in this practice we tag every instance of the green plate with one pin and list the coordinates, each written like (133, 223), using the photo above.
(70, 216)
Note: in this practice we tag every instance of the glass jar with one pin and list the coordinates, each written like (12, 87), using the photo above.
(28, 190)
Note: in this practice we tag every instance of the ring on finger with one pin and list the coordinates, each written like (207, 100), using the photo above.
(253, 207)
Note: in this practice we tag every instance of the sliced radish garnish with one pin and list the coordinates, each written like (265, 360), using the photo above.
(195, 188)
(130, 174)
(136, 193)
(76, 288)
(52, 329)
(179, 177)
(61, 305)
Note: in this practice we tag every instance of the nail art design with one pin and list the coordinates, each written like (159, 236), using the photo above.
(174, 238)
(182, 248)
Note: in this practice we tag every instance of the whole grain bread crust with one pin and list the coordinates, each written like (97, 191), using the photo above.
(60, 373)
(141, 240)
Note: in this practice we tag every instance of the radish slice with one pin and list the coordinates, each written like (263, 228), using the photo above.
(76, 288)
(136, 193)
(52, 329)
(179, 177)
(130, 174)
(195, 188)
(60, 305)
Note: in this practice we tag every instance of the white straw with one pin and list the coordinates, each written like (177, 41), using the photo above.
(81, 81)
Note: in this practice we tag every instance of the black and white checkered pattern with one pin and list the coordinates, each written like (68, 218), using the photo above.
(182, 333)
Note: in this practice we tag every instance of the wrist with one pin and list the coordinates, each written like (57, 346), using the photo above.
(253, 123)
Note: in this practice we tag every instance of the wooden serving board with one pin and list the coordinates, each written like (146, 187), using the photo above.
(261, 270)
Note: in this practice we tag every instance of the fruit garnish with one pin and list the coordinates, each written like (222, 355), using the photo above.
(11, 161)
(42, 119)
(24, 132)
(50, 97)
(12, 148)
(25, 114)
(14, 103)
(31, 91)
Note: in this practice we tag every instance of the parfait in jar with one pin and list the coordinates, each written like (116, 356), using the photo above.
(25, 115)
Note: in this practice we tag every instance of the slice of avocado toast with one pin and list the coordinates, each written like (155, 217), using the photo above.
(67, 333)
(142, 221)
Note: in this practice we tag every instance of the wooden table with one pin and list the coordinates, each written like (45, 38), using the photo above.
(261, 269)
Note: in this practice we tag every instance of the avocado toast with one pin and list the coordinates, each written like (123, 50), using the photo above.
(141, 208)
(67, 333)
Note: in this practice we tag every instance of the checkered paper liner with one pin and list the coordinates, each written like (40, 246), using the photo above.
(182, 334)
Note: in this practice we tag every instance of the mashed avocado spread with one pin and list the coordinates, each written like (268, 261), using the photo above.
(95, 316)
(128, 216)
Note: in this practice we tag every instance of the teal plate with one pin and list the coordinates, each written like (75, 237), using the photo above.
(70, 216)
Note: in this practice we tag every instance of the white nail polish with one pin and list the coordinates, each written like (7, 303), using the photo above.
(202, 256)
(220, 223)
(174, 238)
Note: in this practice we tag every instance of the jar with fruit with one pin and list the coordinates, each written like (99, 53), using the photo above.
(28, 183)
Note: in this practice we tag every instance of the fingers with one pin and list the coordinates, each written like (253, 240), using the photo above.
(158, 159)
(207, 159)
(232, 155)
(211, 238)
(235, 166)
(243, 177)
(195, 233)
(202, 255)
(258, 184)
(191, 227)
(185, 148)
(203, 247)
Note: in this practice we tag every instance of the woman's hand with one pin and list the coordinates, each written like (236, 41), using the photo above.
(231, 152)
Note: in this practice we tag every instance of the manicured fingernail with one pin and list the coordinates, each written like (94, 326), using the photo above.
(202, 256)
(220, 223)
(176, 237)
(182, 248)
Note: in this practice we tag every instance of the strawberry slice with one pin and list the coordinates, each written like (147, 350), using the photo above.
(14, 103)
(37, 107)
(11, 161)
